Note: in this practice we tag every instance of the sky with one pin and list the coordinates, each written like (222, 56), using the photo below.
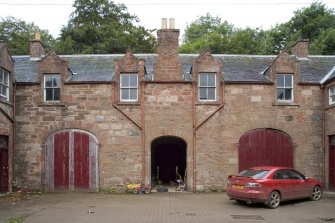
(52, 15)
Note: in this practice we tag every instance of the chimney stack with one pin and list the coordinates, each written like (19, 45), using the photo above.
(37, 49)
(300, 48)
(168, 66)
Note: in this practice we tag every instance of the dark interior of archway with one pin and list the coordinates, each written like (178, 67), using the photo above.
(167, 154)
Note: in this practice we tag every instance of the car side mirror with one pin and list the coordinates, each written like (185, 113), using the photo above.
(306, 178)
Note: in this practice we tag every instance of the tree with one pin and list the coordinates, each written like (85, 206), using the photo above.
(17, 34)
(103, 27)
(316, 23)
(207, 33)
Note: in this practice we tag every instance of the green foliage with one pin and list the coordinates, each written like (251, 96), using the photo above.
(17, 34)
(16, 219)
(316, 23)
(97, 27)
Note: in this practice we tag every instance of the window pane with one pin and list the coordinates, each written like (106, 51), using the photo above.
(332, 99)
(203, 79)
(332, 90)
(48, 94)
(133, 80)
(48, 81)
(203, 93)
(280, 80)
(280, 94)
(56, 94)
(288, 81)
(133, 94)
(288, 94)
(4, 90)
(124, 94)
(124, 80)
(56, 81)
(211, 93)
(211, 80)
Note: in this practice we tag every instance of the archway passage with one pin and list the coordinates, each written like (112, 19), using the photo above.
(168, 155)
(71, 161)
(265, 147)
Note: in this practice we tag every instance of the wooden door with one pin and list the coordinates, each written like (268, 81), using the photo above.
(81, 161)
(332, 163)
(265, 147)
(71, 159)
(61, 161)
(4, 170)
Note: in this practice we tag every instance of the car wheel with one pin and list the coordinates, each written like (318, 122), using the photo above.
(273, 200)
(316, 193)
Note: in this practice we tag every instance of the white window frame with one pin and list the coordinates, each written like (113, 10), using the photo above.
(207, 87)
(4, 84)
(286, 87)
(128, 87)
(331, 94)
(52, 87)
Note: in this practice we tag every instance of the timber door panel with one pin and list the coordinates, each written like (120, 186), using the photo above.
(71, 159)
(4, 170)
(265, 147)
(81, 160)
(4, 165)
(332, 163)
(61, 161)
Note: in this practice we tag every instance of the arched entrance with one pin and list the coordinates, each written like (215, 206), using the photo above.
(265, 147)
(71, 161)
(168, 155)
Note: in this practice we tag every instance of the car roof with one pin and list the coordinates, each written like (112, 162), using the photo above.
(270, 167)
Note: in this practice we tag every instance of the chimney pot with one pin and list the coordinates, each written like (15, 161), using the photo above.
(171, 23)
(164, 23)
(38, 36)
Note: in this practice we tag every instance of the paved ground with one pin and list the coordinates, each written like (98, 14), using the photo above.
(159, 208)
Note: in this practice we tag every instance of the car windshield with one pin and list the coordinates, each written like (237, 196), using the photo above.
(259, 174)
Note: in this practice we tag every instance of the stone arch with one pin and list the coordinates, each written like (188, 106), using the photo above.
(168, 155)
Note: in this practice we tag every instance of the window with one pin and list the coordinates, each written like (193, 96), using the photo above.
(332, 140)
(207, 87)
(332, 95)
(52, 87)
(285, 87)
(4, 83)
(129, 87)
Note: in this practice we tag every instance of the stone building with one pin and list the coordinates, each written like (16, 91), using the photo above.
(97, 122)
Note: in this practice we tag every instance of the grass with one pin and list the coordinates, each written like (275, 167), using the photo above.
(16, 219)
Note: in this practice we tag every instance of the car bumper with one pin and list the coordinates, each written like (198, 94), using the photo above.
(253, 196)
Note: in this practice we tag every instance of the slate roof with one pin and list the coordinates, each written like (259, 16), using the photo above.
(236, 68)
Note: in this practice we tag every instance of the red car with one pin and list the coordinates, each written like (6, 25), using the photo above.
(271, 185)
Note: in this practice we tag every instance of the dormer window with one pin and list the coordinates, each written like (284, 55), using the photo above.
(285, 87)
(52, 86)
(207, 86)
(332, 95)
(129, 87)
(4, 84)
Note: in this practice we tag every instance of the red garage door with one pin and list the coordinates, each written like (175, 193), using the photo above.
(265, 147)
(71, 161)
(332, 163)
(4, 167)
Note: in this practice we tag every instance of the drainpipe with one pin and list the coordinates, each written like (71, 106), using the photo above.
(143, 131)
(13, 140)
(324, 135)
(194, 136)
